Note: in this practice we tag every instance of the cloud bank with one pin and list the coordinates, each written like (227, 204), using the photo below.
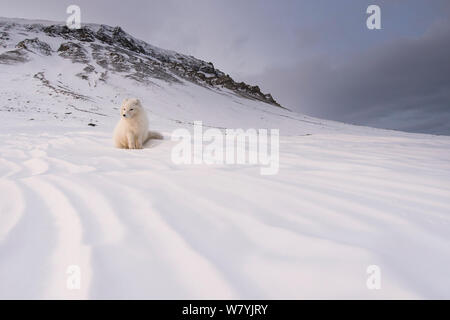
(403, 84)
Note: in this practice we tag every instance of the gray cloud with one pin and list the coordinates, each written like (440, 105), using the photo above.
(402, 84)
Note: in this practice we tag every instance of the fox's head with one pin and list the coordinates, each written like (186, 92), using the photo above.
(130, 108)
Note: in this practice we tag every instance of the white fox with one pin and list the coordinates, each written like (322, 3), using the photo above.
(132, 130)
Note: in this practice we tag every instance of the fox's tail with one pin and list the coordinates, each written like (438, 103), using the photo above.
(154, 135)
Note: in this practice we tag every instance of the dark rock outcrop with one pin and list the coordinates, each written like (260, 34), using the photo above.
(73, 51)
(36, 46)
(14, 56)
(116, 51)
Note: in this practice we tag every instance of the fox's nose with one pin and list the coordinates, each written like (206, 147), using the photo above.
(124, 115)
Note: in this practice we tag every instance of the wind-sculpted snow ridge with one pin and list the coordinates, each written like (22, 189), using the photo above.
(140, 227)
(115, 50)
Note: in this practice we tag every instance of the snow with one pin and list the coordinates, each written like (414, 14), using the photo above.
(139, 226)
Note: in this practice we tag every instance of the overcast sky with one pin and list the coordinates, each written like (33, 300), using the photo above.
(314, 56)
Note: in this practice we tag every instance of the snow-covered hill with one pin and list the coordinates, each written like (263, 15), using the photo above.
(140, 226)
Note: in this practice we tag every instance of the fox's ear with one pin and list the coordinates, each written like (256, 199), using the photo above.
(125, 101)
(138, 101)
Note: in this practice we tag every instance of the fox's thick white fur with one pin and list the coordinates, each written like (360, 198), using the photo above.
(132, 130)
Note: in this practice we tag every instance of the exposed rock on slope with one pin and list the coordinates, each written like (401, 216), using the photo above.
(35, 46)
(114, 50)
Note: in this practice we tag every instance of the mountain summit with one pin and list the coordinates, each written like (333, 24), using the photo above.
(104, 49)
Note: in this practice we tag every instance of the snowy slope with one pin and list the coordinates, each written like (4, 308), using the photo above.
(140, 226)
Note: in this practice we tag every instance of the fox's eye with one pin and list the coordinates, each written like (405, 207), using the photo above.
(131, 109)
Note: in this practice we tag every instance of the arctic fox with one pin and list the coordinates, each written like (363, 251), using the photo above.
(132, 130)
